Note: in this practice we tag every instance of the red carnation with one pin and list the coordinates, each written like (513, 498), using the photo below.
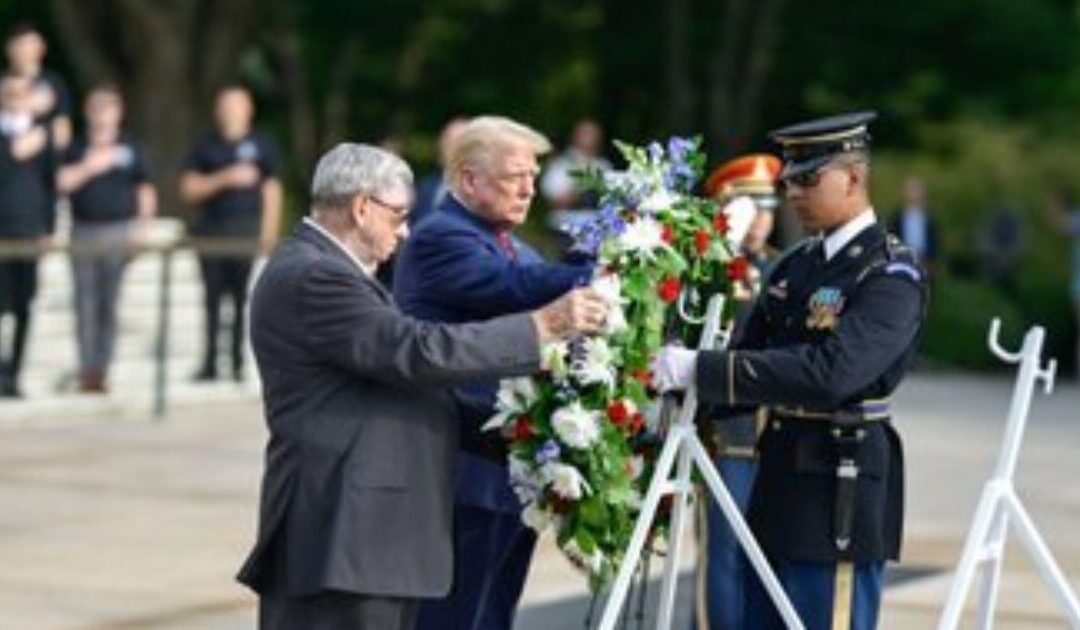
(667, 234)
(720, 223)
(738, 269)
(669, 289)
(523, 429)
(618, 413)
(642, 376)
(701, 241)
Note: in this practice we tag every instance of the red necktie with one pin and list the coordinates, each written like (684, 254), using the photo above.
(506, 244)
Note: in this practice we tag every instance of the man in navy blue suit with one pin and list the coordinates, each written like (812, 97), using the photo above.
(463, 264)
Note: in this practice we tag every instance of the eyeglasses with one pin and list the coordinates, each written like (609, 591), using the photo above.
(399, 212)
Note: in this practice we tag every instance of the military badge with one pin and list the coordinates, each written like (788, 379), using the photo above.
(779, 290)
(825, 305)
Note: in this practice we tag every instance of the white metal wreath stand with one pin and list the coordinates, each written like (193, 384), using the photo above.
(985, 547)
(682, 442)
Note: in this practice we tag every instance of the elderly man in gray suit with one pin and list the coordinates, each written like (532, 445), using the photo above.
(355, 520)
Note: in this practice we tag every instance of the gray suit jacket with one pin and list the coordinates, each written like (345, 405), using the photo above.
(358, 485)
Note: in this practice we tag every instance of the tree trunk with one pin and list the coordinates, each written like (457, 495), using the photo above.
(739, 67)
(680, 90)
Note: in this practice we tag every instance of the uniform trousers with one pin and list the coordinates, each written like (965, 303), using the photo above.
(811, 586)
(224, 276)
(99, 255)
(721, 562)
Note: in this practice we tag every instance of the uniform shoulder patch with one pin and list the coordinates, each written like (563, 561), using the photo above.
(903, 268)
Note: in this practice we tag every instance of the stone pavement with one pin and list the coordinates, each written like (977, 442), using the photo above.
(111, 522)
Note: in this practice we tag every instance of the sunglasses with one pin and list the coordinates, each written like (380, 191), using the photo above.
(809, 179)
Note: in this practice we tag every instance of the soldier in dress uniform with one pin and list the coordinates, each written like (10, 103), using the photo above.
(828, 341)
(720, 559)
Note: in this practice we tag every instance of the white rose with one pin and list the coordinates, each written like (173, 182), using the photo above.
(609, 286)
(576, 426)
(536, 518)
(566, 481)
(660, 199)
(642, 235)
(514, 398)
(597, 364)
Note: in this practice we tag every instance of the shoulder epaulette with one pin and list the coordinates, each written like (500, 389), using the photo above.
(899, 259)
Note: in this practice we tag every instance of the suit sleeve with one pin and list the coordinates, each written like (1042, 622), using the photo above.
(462, 271)
(351, 327)
(879, 325)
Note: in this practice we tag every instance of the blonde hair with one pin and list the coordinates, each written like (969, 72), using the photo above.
(482, 138)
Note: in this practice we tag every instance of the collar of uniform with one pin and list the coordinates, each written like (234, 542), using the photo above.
(368, 270)
(842, 236)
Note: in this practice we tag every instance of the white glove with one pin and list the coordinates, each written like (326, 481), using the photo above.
(673, 368)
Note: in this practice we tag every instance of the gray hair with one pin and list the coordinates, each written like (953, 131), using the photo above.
(351, 169)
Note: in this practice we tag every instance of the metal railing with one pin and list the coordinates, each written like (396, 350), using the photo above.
(26, 249)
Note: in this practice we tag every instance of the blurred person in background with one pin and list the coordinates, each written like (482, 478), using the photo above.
(462, 263)
(1000, 243)
(26, 213)
(431, 190)
(569, 206)
(1065, 216)
(915, 225)
(231, 175)
(722, 566)
(112, 203)
(433, 187)
(50, 101)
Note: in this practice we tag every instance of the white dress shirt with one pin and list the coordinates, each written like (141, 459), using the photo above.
(842, 236)
(369, 270)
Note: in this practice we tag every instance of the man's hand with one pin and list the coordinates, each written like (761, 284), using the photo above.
(579, 311)
(42, 100)
(243, 175)
(673, 368)
(99, 160)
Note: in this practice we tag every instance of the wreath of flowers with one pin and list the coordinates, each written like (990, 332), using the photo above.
(583, 434)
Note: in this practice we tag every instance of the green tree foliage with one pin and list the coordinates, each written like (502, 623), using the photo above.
(979, 97)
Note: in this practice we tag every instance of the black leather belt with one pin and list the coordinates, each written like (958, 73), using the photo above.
(867, 410)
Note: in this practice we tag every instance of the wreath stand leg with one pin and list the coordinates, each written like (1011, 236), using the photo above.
(682, 442)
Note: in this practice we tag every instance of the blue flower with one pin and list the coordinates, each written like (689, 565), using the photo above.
(678, 148)
(548, 451)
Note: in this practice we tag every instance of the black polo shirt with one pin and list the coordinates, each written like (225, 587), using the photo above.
(109, 196)
(233, 211)
(26, 199)
(61, 102)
